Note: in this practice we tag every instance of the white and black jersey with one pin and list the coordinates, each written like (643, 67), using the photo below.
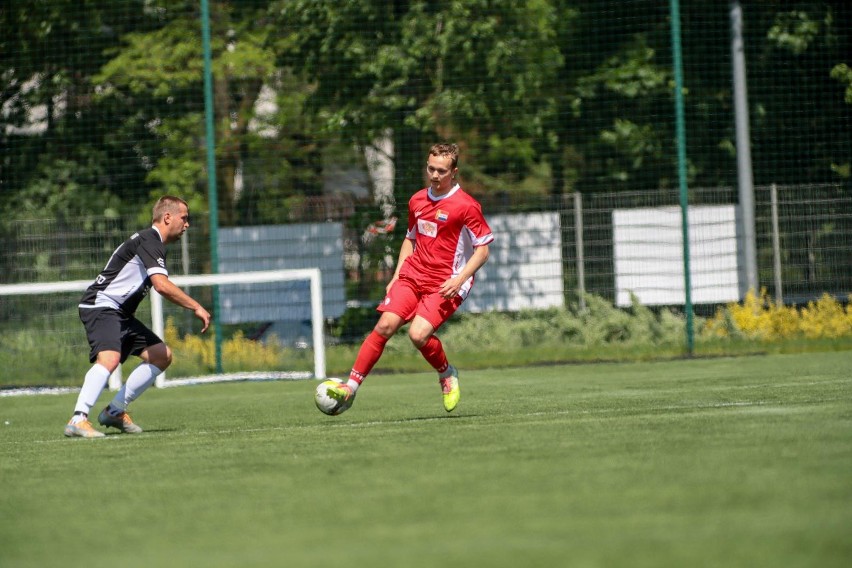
(126, 278)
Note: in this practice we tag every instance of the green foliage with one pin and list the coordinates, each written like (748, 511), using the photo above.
(409, 69)
(59, 365)
(635, 72)
(65, 189)
(843, 73)
(544, 96)
(600, 325)
(794, 31)
(157, 64)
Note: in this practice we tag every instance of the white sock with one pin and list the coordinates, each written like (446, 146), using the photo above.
(353, 384)
(138, 382)
(95, 381)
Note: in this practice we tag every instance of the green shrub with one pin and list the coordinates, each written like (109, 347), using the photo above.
(600, 323)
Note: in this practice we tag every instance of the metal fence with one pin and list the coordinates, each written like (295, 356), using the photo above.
(804, 235)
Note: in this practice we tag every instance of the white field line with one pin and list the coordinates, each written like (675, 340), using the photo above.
(203, 380)
(373, 423)
(302, 375)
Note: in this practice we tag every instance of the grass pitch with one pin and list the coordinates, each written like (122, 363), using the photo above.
(723, 462)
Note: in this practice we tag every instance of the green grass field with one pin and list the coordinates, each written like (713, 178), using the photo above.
(714, 462)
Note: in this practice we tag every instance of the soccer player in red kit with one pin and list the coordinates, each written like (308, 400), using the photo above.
(445, 244)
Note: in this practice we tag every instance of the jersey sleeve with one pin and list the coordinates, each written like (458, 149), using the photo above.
(477, 225)
(152, 253)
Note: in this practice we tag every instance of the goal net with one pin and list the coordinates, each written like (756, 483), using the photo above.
(270, 327)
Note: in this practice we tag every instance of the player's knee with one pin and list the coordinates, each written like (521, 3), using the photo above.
(418, 338)
(384, 329)
(160, 356)
(109, 359)
(167, 359)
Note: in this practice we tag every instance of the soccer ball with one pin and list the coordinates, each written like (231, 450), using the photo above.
(328, 405)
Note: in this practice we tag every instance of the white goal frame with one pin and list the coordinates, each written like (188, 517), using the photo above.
(157, 322)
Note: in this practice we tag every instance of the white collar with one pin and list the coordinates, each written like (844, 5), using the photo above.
(159, 233)
(434, 197)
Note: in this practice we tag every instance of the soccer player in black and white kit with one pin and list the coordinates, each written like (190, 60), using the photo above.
(107, 311)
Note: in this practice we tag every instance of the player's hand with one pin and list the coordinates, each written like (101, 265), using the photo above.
(204, 316)
(450, 288)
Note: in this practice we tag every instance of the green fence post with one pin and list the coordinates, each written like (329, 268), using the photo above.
(211, 174)
(681, 170)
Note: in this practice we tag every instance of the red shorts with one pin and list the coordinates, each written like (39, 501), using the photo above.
(406, 299)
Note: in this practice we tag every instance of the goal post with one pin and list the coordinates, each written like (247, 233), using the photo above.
(313, 275)
(50, 298)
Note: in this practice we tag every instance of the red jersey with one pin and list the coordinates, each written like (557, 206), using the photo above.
(445, 230)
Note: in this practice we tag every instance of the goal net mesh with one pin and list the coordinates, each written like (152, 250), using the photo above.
(270, 327)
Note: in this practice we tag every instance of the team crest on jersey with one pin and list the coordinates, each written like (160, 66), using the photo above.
(441, 215)
(427, 228)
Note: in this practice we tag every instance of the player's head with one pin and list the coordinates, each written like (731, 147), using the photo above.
(441, 167)
(171, 215)
(167, 204)
(446, 150)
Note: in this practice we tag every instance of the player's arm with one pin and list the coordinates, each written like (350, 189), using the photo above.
(404, 252)
(452, 285)
(172, 293)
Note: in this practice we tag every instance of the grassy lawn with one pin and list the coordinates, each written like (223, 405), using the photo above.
(715, 462)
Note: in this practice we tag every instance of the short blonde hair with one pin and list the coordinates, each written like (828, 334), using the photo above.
(449, 150)
(167, 204)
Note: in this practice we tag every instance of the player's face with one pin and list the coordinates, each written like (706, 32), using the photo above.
(440, 172)
(178, 223)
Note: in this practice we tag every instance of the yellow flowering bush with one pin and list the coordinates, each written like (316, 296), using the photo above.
(238, 352)
(826, 318)
(759, 317)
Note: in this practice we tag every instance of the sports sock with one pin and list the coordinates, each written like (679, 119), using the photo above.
(95, 381)
(369, 353)
(139, 380)
(433, 352)
(78, 417)
(354, 383)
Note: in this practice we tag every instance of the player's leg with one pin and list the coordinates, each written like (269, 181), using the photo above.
(93, 384)
(156, 357)
(421, 333)
(103, 331)
(396, 308)
(368, 355)
(432, 311)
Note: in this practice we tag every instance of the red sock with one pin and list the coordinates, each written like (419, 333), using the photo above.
(370, 352)
(433, 352)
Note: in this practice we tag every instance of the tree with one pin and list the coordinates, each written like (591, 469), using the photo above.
(421, 72)
(158, 77)
(54, 159)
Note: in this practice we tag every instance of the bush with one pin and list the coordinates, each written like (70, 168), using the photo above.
(240, 353)
(600, 323)
(759, 318)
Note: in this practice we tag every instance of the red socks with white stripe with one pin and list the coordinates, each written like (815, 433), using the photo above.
(373, 347)
(370, 352)
(434, 354)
